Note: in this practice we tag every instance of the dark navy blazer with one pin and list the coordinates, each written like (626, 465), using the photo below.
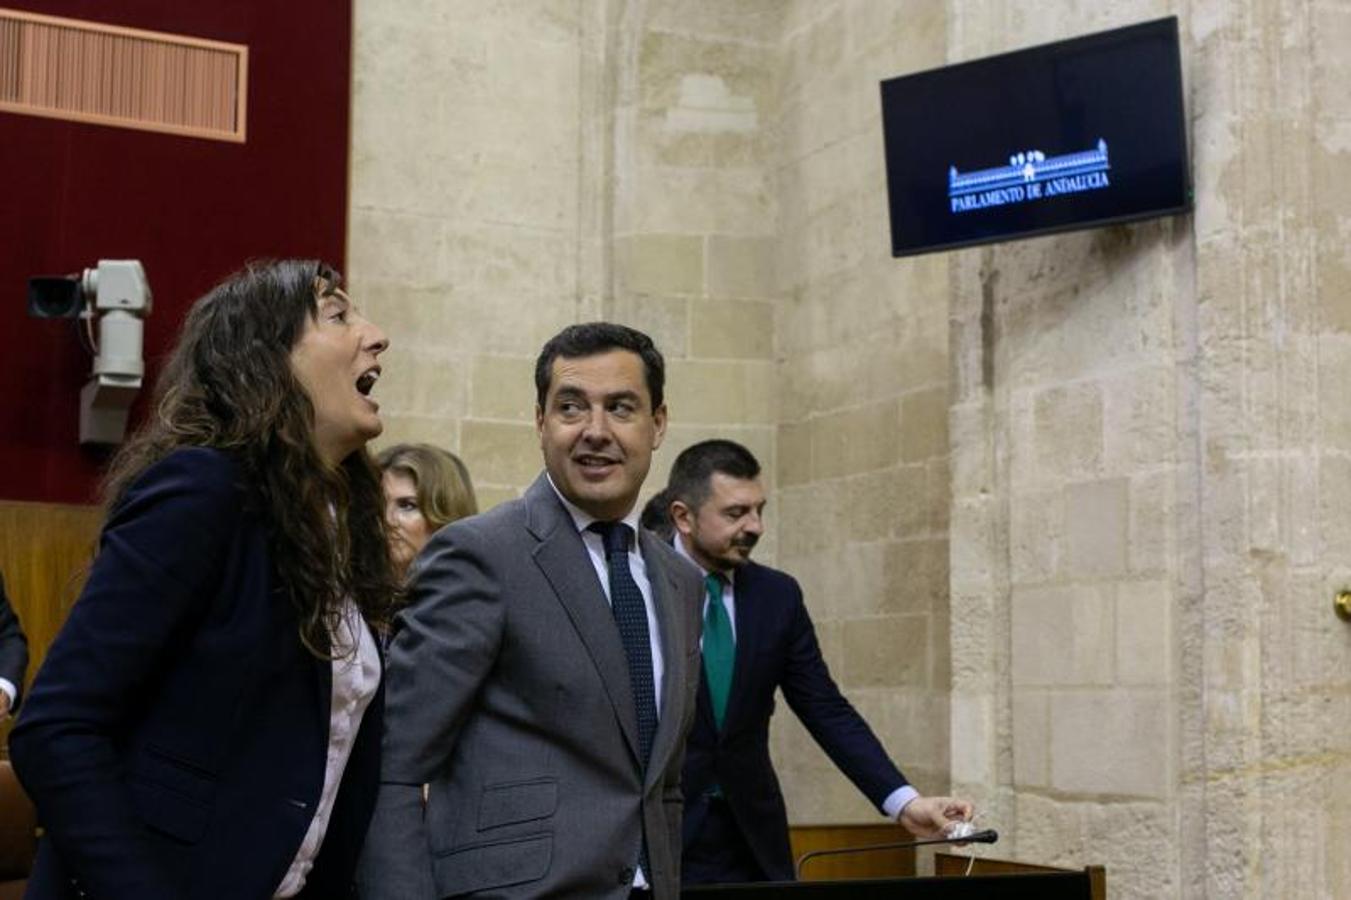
(776, 648)
(13, 647)
(174, 740)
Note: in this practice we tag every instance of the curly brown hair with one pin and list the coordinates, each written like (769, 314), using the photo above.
(228, 384)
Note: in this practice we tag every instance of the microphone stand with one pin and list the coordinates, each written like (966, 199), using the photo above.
(987, 836)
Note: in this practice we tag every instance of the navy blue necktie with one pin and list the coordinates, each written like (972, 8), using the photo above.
(630, 612)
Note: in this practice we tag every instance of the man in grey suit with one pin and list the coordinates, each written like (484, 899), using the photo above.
(543, 677)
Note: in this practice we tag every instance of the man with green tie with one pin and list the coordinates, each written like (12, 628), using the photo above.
(758, 638)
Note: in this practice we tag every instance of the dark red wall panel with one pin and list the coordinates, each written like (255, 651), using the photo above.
(191, 210)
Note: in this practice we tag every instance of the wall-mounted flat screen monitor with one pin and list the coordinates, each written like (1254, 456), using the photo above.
(1075, 134)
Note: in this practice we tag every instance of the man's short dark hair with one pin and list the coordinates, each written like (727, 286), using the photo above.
(656, 516)
(694, 468)
(592, 339)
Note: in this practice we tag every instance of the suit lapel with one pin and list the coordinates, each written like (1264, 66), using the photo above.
(749, 627)
(704, 706)
(704, 710)
(321, 677)
(324, 682)
(563, 559)
(320, 670)
(665, 596)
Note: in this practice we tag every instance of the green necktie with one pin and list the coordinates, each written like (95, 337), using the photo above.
(719, 648)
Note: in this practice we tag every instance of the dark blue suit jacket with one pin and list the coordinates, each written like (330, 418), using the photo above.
(776, 648)
(13, 648)
(175, 739)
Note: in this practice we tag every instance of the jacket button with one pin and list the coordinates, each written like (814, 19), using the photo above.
(626, 875)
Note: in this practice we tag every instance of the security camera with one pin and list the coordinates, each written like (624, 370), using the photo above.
(55, 296)
(117, 296)
(121, 299)
(118, 284)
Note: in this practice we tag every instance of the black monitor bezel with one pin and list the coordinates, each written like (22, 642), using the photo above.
(1169, 26)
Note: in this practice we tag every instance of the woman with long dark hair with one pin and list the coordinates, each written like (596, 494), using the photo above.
(207, 722)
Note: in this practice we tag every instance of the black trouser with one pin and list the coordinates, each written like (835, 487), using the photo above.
(719, 853)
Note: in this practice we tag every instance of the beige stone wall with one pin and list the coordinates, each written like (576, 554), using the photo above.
(518, 167)
(693, 220)
(468, 236)
(1147, 444)
(466, 227)
(862, 402)
(1268, 742)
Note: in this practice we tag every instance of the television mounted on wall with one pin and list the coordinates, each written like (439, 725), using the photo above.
(1076, 134)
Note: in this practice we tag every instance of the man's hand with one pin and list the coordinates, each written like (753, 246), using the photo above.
(925, 817)
(4, 704)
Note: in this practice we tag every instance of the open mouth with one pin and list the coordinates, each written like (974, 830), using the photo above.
(590, 462)
(366, 381)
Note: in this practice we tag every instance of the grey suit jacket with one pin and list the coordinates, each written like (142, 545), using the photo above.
(508, 693)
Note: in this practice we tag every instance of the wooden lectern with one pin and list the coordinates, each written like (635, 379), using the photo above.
(989, 878)
(955, 865)
(1042, 885)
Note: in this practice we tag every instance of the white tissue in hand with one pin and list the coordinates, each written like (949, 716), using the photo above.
(959, 829)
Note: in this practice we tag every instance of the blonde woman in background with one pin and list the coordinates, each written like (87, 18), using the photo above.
(425, 488)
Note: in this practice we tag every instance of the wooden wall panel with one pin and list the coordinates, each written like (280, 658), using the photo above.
(45, 549)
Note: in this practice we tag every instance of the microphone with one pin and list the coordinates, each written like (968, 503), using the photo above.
(985, 836)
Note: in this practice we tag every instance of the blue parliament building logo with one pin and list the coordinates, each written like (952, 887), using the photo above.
(1030, 176)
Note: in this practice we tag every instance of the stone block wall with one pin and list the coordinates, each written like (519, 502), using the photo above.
(1065, 507)
(693, 216)
(1268, 754)
(519, 167)
(467, 233)
(862, 371)
(1147, 673)
(1070, 508)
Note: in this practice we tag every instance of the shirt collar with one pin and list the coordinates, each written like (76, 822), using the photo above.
(581, 519)
(680, 548)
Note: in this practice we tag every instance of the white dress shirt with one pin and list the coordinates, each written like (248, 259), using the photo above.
(595, 549)
(9, 690)
(728, 589)
(356, 675)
